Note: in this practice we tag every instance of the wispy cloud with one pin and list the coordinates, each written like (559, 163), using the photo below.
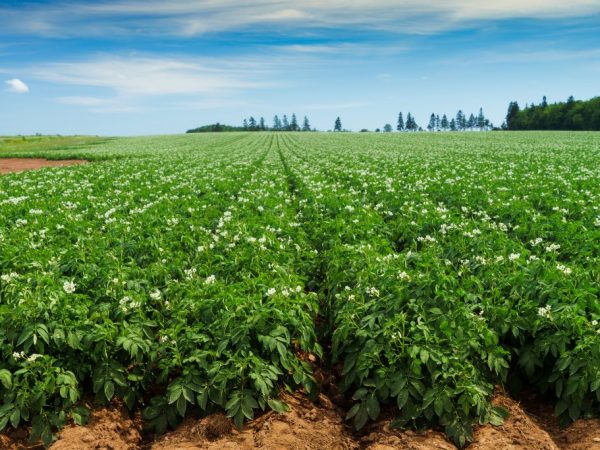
(17, 86)
(151, 76)
(190, 18)
(525, 56)
(123, 84)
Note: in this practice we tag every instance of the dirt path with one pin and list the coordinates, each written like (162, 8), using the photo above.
(9, 165)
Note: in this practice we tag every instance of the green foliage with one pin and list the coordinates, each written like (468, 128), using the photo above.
(215, 128)
(570, 115)
(188, 274)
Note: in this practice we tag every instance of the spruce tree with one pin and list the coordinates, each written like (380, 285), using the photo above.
(252, 124)
(245, 125)
(294, 123)
(400, 126)
(431, 125)
(471, 122)
(338, 125)
(511, 115)
(305, 124)
(461, 122)
(285, 125)
(438, 125)
(411, 124)
(453, 125)
(481, 119)
(276, 123)
(261, 124)
(445, 123)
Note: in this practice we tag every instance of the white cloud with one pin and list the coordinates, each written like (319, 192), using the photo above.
(17, 86)
(524, 56)
(126, 84)
(184, 17)
(153, 76)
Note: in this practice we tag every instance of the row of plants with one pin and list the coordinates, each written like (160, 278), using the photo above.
(187, 274)
(171, 283)
(414, 266)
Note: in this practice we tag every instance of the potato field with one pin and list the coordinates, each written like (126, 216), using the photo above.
(189, 275)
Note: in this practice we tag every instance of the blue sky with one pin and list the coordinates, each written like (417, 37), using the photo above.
(122, 67)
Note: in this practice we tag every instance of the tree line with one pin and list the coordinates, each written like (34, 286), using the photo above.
(283, 124)
(461, 122)
(436, 123)
(576, 115)
(252, 124)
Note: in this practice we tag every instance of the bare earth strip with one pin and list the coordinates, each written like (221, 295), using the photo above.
(309, 426)
(9, 165)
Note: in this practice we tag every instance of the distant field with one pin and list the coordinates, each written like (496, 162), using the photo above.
(198, 273)
(18, 145)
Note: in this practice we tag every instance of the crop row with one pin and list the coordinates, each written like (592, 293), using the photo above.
(437, 299)
(187, 274)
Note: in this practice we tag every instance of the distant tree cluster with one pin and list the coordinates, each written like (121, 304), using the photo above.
(409, 125)
(251, 124)
(576, 115)
(459, 123)
(436, 123)
(283, 124)
(214, 128)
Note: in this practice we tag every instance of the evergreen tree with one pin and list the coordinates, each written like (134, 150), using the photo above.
(294, 123)
(431, 125)
(416, 126)
(569, 115)
(261, 124)
(411, 124)
(305, 124)
(453, 125)
(461, 122)
(338, 125)
(511, 115)
(444, 122)
(252, 124)
(481, 119)
(438, 125)
(245, 125)
(400, 126)
(285, 125)
(471, 122)
(544, 102)
(276, 123)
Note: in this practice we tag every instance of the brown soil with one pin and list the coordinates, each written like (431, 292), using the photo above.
(306, 426)
(314, 426)
(580, 435)
(8, 165)
(107, 429)
(519, 431)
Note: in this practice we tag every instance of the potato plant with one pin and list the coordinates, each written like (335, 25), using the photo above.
(189, 274)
